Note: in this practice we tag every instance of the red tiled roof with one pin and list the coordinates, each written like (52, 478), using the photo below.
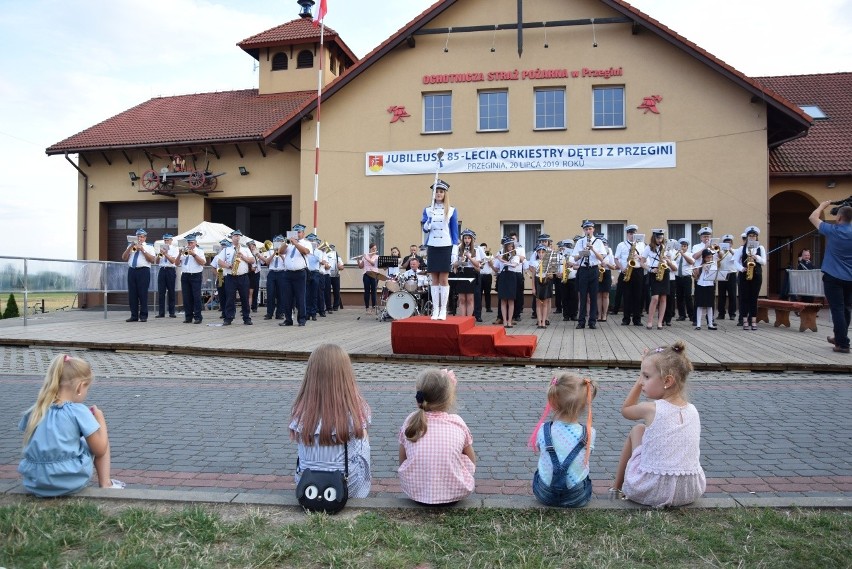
(300, 30)
(827, 149)
(229, 116)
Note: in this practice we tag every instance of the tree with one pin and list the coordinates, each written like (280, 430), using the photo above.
(11, 308)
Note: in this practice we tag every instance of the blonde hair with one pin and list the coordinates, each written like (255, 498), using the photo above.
(672, 360)
(567, 395)
(329, 398)
(435, 392)
(63, 371)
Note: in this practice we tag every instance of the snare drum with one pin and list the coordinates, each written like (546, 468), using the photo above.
(392, 285)
(411, 285)
(401, 305)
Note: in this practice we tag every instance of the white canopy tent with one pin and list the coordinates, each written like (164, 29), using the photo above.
(210, 235)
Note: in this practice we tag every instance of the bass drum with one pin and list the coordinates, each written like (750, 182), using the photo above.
(401, 305)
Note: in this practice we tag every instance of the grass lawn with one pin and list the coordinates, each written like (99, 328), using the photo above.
(53, 301)
(77, 533)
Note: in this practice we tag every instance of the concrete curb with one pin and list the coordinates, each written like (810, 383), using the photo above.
(394, 502)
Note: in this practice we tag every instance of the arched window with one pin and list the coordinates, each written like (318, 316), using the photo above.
(279, 61)
(305, 59)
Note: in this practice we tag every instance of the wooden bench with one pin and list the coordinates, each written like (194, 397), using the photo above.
(807, 312)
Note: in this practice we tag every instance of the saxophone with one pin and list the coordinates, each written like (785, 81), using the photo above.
(631, 263)
(601, 272)
(750, 266)
(565, 269)
(235, 264)
(220, 277)
(661, 266)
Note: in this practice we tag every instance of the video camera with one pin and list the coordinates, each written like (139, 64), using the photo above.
(842, 203)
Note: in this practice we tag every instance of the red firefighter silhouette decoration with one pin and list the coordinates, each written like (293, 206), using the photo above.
(650, 104)
(399, 113)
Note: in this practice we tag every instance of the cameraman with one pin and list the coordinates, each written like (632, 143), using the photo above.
(837, 270)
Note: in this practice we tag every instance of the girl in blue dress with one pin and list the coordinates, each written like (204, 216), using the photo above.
(63, 438)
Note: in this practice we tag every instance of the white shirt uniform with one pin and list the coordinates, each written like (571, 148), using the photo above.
(293, 258)
(422, 280)
(220, 256)
(475, 254)
(273, 260)
(591, 260)
(189, 264)
(759, 258)
(728, 265)
(172, 252)
(707, 275)
(439, 231)
(231, 254)
(684, 269)
(141, 261)
(332, 258)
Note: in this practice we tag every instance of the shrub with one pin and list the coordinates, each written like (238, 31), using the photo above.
(11, 308)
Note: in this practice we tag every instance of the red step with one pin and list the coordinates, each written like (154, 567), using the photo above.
(457, 336)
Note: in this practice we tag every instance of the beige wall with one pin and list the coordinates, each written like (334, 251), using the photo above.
(721, 172)
(292, 79)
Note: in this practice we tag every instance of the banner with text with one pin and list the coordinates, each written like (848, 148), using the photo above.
(523, 159)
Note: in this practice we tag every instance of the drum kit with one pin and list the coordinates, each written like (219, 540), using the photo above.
(402, 298)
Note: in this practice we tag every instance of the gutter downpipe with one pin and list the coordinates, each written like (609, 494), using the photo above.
(85, 203)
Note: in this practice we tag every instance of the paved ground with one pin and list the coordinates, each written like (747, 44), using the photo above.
(215, 423)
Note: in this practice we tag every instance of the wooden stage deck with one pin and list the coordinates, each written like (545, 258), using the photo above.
(367, 339)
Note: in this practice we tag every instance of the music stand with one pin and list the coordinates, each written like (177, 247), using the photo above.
(386, 261)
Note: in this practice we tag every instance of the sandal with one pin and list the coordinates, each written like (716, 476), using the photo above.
(616, 494)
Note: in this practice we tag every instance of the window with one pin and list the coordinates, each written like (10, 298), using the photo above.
(279, 61)
(549, 109)
(360, 235)
(493, 110)
(119, 224)
(688, 229)
(608, 107)
(612, 230)
(528, 233)
(815, 112)
(305, 59)
(332, 64)
(438, 112)
(156, 223)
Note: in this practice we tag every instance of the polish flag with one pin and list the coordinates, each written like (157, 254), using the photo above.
(323, 8)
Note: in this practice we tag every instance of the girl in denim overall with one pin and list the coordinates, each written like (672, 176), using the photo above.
(562, 478)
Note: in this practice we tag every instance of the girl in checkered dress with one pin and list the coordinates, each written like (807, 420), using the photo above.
(436, 458)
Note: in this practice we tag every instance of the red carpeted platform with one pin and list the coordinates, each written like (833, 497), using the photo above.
(457, 336)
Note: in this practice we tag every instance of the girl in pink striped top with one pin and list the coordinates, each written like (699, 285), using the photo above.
(436, 458)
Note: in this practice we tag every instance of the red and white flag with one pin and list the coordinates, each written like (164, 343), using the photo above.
(323, 8)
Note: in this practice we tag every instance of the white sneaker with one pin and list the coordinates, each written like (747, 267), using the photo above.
(116, 484)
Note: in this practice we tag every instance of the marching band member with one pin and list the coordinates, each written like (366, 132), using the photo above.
(393, 272)
(139, 256)
(466, 262)
(570, 295)
(274, 280)
(236, 263)
(369, 263)
(705, 288)
(486, 279)
(519, 287)
(605, 284)
(683, 281)
(655, 258)
(335, 264)
(415, 274)
(439, 223)
(167, 257)
(704, 236)
(587, 273)
(542, 283)
(627, 251)
(324, 295)
(727, 279)
(220, 274)
(413, 251)
(254, 276)
(507, 265)
(749, 262)
(294, 251)
(739, 292)
(314, 280)
(191, 265)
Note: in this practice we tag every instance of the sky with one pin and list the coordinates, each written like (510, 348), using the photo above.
(67, 65)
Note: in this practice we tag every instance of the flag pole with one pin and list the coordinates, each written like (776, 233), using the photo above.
(319, 103)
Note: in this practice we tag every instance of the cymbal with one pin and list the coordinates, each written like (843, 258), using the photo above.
(377, 275)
